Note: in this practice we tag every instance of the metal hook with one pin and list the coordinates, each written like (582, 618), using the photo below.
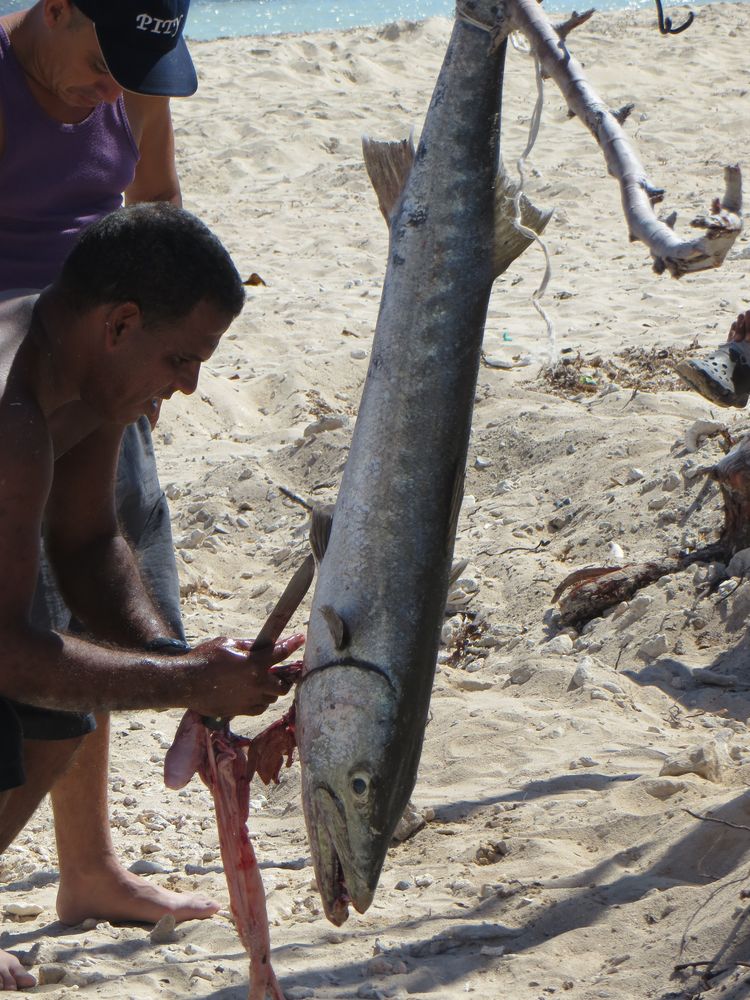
(665, 23)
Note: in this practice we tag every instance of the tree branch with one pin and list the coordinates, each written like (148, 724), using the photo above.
(721, 226)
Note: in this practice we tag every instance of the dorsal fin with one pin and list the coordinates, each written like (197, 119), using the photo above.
(388, 165)
(320, 530)
(509, 242)
(336, 626)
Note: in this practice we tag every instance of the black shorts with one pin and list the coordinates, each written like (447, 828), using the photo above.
(24, 722)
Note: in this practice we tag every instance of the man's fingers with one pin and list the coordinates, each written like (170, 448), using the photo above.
(272, 654)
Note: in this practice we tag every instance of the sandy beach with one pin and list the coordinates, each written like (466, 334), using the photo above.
(588, 820)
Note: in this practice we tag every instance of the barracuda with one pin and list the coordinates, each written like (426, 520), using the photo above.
(378, 607)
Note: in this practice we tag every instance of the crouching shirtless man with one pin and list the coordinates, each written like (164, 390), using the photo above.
(143, 298)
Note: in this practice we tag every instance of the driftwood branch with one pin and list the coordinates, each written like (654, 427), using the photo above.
(720, 227)
(586, 593)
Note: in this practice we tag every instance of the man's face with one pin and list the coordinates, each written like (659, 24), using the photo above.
(156, 362)
(77, 73)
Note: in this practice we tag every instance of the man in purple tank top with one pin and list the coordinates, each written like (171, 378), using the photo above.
(84, 118)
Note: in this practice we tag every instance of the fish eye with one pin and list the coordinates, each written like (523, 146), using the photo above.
(360, 785)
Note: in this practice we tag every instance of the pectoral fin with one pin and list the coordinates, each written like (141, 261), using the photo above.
(388, 165)
(336, 626)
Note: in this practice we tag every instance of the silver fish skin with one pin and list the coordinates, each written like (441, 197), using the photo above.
(379, 602)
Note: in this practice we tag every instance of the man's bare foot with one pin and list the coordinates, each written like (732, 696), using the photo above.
(13, 976)
(115, 894)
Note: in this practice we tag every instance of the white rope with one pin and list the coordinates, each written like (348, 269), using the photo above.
(520, 44)
(536, 297)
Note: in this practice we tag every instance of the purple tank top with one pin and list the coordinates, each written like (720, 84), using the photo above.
(55, 178)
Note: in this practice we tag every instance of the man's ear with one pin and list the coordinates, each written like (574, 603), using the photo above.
(57, 13)
(120, 322)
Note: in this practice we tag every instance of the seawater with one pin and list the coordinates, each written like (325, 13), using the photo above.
(210, 19)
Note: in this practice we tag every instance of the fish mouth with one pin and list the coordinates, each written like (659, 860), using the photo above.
(339, 882)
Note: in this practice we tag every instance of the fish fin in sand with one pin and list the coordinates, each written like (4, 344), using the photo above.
(320, 530)
(336, 626)
(388, 166)
(510, 240)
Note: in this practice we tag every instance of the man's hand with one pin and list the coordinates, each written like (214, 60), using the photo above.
(237, 680)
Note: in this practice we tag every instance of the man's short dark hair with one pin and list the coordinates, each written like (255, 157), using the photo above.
(154, 254)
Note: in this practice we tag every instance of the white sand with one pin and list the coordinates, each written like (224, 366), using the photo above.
(600, 882)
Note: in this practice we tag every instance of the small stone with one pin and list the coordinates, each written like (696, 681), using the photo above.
(331, 422)
(22, 911)
(635, 475)
(582, 675)
(403, 884)
(651, 648)
(584, 761)
(662, 788)
(358, 354)
(145, 867)
(410, 823)
(520, 675)
(299, 993)
(164, 931)
(50, 973)
(701, 760)
(561, 644)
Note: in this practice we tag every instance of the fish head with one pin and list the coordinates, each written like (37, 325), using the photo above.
(358, 771)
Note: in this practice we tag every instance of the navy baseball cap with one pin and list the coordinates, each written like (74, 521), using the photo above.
(142, 44)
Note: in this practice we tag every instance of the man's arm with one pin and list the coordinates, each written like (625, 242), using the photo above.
(156, 174)
(95, 568)
(44, 668)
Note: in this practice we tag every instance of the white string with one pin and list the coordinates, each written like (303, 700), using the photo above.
(536, 297)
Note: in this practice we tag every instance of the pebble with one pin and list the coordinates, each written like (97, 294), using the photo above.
(701, 760)
(469, 682)
(655, 646)
(670, 482)
(50, 973)
(403, 884)
(299, 993)
(615, 552)
(358, 354)
(520, 675)
(331, 422)
(700, 429)
(561, 644)
(145, 867)
(410, 823)
(22, 911)
(662, 788)
(635, 475)
(200, 973)
(584, 761)
(164, 930)
(582, 675)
